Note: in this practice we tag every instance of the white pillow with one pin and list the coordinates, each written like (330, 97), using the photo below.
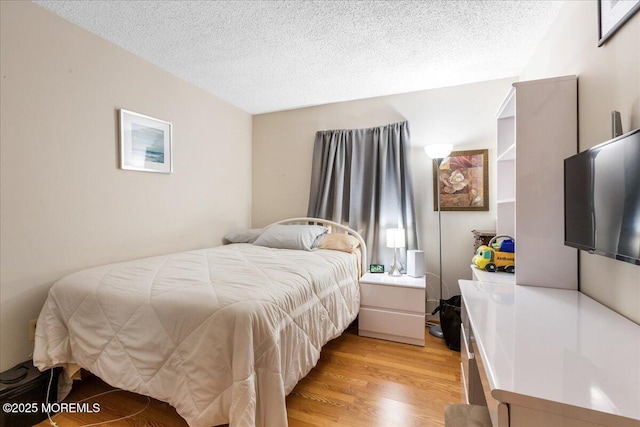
(300, 237)
(245, 235)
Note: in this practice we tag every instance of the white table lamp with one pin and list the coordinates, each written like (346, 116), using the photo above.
(395, 240)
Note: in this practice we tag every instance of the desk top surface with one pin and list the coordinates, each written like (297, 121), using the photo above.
(557, 345)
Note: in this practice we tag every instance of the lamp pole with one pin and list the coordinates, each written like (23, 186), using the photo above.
(436, 330)
(438, 152)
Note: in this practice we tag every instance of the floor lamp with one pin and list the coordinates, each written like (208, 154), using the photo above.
(438, 152)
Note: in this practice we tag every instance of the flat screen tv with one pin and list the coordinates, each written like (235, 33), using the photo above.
(602, 199)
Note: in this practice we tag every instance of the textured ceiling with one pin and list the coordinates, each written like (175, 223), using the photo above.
(265, 56)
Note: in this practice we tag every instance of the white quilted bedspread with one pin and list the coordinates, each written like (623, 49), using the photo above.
(222, 334)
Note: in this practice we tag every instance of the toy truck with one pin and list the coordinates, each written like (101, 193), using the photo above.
(496, 256)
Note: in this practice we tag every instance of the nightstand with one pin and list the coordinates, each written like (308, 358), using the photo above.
(392, 308)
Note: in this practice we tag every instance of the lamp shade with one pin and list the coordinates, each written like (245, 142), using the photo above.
(395, 238)
(438, 151)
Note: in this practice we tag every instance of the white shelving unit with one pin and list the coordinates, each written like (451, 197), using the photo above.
(495, 277)
(506, 159)
(537, 127)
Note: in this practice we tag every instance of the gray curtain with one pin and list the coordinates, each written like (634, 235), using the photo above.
(360, 178)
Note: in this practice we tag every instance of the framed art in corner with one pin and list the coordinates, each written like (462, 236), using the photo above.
(612, 15)
(464, 181)
(145, 143)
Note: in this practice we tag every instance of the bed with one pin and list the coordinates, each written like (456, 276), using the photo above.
(222, 334)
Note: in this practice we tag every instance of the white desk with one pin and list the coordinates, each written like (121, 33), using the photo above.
(553, 357)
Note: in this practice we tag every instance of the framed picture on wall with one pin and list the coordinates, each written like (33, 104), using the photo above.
(145, 143)
(464, 181)
(612, 15)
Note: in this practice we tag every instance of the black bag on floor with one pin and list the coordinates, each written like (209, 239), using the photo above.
(450, 321)
(23, 390)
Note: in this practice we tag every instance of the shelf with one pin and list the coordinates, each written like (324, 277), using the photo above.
(508, 106)
(495, 277)
(508, 154)
(506, 189)
(506, 201)
(505, 218)
(506, 136)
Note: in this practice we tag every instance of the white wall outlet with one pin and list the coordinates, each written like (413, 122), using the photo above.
(32, 329)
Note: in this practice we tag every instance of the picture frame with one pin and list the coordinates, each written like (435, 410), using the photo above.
(612, 15)
(145, 143)
(464, 181)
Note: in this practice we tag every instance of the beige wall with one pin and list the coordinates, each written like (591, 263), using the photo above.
(608, 79)
(461, 115)
(65, 204)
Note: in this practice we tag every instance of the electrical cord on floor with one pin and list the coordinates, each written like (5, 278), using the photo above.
(445, 287)
(54, 424)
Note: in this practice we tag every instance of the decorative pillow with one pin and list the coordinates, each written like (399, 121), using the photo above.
(245, 235)
(339, 242)
(301, 237)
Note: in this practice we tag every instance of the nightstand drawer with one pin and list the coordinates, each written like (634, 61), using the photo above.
(392, 297)
(391, 325)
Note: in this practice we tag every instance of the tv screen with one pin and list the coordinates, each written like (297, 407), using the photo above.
(602, 199)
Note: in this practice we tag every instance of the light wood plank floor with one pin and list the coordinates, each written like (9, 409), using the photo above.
(357, 382)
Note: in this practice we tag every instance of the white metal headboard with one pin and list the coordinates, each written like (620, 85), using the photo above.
(333, 227)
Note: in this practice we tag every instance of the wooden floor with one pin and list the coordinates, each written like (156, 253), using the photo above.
(357, 382)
